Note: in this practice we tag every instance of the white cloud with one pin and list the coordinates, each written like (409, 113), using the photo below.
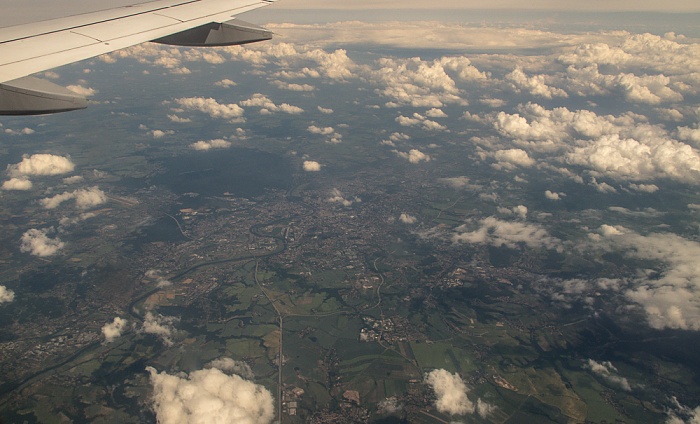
(420, 120)
(553, 195)
(293, 87)
(608, 372)
(160, 326)
(413, 156)
(680, 414)
(75, 179)
(209, 396)
(211, 107)
(645, 188)
(311, 166)
(435, 113)
(408, 219)
(38, 243)
(232, 366)
(211, 144)
(6, 295)
(179, 120)
(84, 198)
(83, 91)
(324, 110)
(670, 298)
(226, 83)
(21, 183)
(451, 392)
(313, 129)
(41, 164)
(113, 330)
(337, 196)
(630, 159)
(512, 158)
(496, 232)
(534, 85)
(267, 106)
(160, 133)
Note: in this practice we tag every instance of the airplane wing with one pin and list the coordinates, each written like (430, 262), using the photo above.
(34, 47)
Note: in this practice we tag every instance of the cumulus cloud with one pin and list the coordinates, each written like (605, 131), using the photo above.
(226, 83)
(608, 372)
(520, 211)
(6, 295)
(231, 112)
(408, 219)
(670, 298)
(160, 326)
(332, 136)
(496, 232)
(451, 393)
(209, 396)
(420, 120)
(211, 144)
(680, 414)
(337, 196)
(267, 106)
(535, 85)
(512, 158)
(325, 110)
(38, 243)
(113, 330)
(624, 147)
(413, 156)
(160, 133)
(83, 91)
(41, 164)
(232, 366)
(84, 198)
(21, 183)
(553, 195)
(293, 87)
(311, 166)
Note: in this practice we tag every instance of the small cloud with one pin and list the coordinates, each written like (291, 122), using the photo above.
(160, 326)
(608, 372)
(38, 243)
(324, 110)
(211, 144)
(160, 133)
(408, 219)
(311, 166)
(83, 91)
(338, 197)
(293, 87)
(84, 198)
(553, 196)
(113, 330)
(226, 83)
(6, 295)
(21, 183)
(413, 156)
(179, 120)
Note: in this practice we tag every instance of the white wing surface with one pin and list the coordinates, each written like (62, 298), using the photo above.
(33, 47)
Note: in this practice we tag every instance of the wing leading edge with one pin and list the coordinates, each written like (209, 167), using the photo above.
(30, 48)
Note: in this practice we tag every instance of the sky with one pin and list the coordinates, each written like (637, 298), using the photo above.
(567, 5)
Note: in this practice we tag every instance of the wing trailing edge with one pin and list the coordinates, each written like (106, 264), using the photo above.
(35, 96)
